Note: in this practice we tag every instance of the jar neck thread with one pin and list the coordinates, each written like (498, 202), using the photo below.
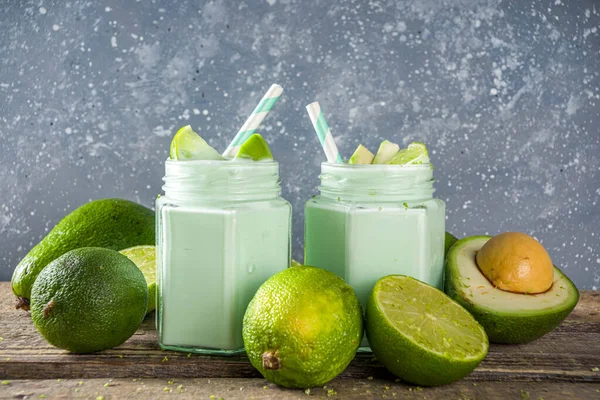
(376, 183)
(221, 181)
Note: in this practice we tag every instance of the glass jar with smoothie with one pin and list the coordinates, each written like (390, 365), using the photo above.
(376, 216)
(222, 230)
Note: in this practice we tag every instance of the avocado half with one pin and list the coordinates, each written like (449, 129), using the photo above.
(506, 317)
(449, 240)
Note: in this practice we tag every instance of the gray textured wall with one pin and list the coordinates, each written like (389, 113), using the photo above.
(506, 94)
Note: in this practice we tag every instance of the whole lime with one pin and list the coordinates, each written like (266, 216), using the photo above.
(303, 327)
(89, 299)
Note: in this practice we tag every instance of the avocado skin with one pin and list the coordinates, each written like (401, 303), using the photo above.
(508, 328)
(110, 223)
(449, 240)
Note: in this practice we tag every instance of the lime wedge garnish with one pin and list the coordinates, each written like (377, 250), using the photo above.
(188, 145)
(415, 153)
(422, 335)
(362, 155)
(255, 148)
(144, 257)
(387, 151)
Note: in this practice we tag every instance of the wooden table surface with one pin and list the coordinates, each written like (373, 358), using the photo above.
(562, 365)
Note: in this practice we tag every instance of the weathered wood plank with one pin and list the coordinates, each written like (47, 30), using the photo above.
(232, 389)
(569, 354)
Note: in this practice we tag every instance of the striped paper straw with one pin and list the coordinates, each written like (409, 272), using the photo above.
(324, 133)
(254, 120)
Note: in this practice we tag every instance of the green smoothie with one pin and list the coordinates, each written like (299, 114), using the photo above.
(373, 220)
(222, 230)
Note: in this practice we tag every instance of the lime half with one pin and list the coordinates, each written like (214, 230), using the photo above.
(415, 153)
(144, 257)
(188, 145)
(255, 148)
(420, 334)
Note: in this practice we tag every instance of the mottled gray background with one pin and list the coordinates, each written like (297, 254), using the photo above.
(506, 95)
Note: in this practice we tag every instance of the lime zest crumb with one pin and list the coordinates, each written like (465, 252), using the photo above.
(165, 389)
(120, 356)
(370, 378)
(524, 395)
(42, 396)
(170, 382)
(595, 369)
(307, 391)
(100, 398)
(189, 355)
(405, 204)
(331, 392)
(5, 382)
(165, 359)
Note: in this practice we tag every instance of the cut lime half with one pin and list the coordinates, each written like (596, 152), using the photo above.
(144, 257)
(415, 153)
(255, 148)
(188, 145)
(422, 335)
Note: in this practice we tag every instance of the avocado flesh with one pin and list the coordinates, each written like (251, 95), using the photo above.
(506, 317)
(115, 224)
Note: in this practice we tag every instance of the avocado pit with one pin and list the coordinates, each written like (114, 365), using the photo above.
(516, 262)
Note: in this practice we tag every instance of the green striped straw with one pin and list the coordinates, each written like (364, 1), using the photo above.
(324, 133)
(254, 120)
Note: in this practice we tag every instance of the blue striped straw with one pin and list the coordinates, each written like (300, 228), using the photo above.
(254, 120)
(324, 133)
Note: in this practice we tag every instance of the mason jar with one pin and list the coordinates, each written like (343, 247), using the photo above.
(370, 221)
(222, 230)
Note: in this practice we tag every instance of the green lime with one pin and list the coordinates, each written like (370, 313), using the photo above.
(387, 151)
(89, 299)
(362, 155)
(303, 327)
(112, 223)
(420, 334)
(188, 145)
(415, 153)
(144, 257)
(255, 148)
